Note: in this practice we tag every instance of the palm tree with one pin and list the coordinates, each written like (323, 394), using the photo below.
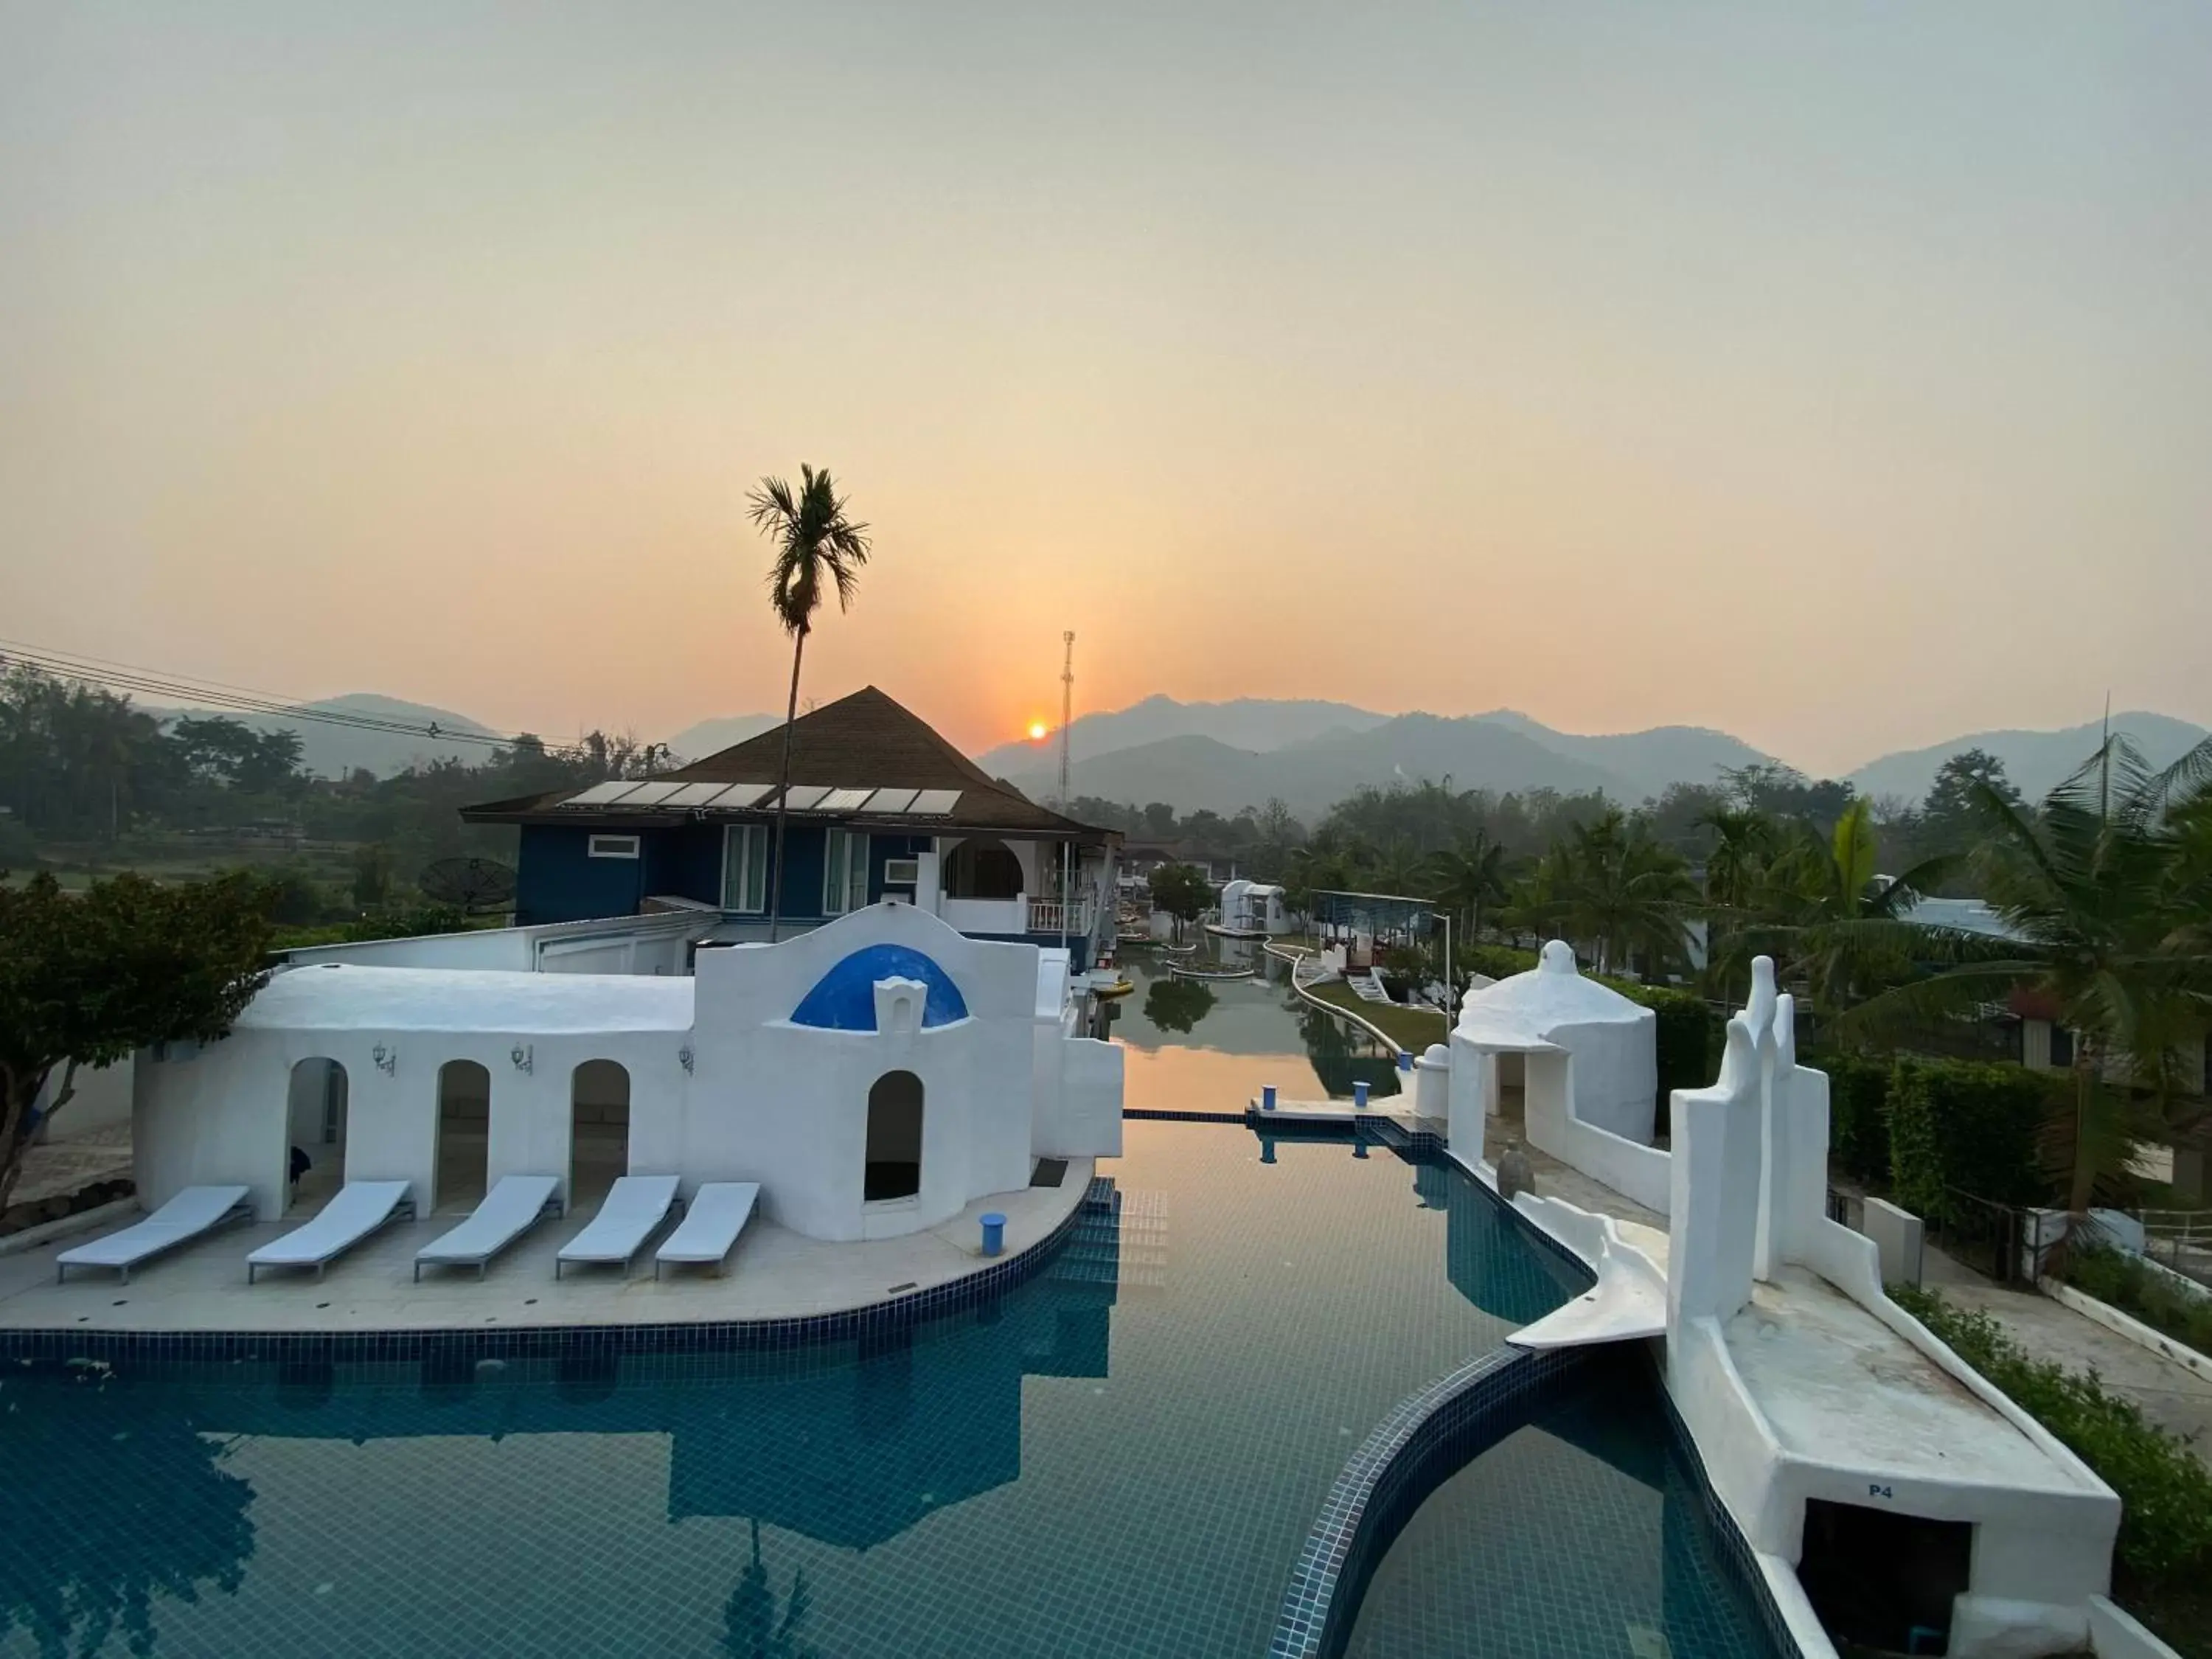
(1612, 885)
(816, 544)
(1736, 869)
(1820, 897)
(2105, 890)
(1469, 874)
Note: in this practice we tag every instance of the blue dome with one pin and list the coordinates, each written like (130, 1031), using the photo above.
(844, 998)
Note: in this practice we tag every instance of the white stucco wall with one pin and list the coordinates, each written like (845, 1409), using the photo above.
(100, 1098)
(760, 1099)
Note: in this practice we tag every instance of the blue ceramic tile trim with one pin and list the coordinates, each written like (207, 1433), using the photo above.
(1182, 1117)
(463, 1347)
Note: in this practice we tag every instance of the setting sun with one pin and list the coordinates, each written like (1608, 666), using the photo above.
(1036, 730)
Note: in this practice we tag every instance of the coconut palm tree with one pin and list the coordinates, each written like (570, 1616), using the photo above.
(1818, 897)
(1611, 885)
(2105, 890)
(816, 546)
(1469, 874)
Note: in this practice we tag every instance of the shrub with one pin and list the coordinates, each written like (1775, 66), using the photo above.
(18, 848)
(1962, 1124)
(2166, 1524)
(2125, 1282)
(1494, 961)
(1687, 1040)
(1858, 1115)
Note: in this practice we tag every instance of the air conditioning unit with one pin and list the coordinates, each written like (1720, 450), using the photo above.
(902, 872)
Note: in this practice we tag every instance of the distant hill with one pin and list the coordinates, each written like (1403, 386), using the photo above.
(2033, 761)
(705, 737)
(333, 751)
(1643, 762)
(1194, 772)
(1252, 724)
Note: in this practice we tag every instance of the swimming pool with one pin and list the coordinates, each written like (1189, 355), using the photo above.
(1121, 1455)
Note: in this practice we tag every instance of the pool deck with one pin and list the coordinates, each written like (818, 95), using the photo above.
(773, 1273)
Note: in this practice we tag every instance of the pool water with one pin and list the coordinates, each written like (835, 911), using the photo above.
(1120, 1456)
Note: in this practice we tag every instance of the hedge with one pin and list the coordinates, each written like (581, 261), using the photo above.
(1687, 1039)
(1494, 961)
(2165, 1493)
(2125, 1282)
(1858, 1115)
(1958, 1124)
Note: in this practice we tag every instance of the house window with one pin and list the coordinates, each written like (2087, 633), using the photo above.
(2061, 1046)
(845, 872)
(613, 847)
(744, 867)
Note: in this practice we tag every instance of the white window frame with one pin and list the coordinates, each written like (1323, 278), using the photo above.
(612, 847)
(844, 872)
(744, 852)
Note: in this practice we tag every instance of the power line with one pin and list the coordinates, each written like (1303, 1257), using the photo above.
(231, 699)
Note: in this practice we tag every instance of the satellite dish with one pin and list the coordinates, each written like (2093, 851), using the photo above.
(475, 884)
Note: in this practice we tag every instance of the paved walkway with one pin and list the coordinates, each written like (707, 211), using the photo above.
(2175, 1398)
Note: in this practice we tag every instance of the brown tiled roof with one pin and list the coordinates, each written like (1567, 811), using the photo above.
(862, 741)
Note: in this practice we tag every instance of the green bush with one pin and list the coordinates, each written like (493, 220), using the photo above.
(1688, 1041)
(1858, 1115)
(2166, 1524)
(1965, 1125)
(2125, 1282)
(18, 848)
(1494, 961)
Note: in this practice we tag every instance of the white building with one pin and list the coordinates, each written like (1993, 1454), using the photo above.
(875, 1075)
(1253, 907)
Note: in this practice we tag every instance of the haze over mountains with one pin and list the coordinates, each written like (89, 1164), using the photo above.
(1310, 753)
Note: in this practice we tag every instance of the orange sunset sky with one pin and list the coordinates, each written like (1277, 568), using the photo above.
(1837, 375)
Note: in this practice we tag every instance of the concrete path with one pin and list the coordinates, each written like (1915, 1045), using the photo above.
(2176, 1400)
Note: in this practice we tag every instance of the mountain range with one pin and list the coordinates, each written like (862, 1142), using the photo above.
(1310, 753)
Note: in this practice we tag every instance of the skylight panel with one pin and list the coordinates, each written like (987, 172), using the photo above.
(650, 794)
(802, 797)
(843, 800)
(892, 800)
(935, 803)
(694, 795)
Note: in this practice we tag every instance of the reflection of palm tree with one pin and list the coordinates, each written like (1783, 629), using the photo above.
(167, 1521)
(750, 1629)
(1178, 1004)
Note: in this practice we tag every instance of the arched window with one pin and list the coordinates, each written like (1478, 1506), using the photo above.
(464, 1133)
(894, 1155)
(982, 869)
(599, 1129)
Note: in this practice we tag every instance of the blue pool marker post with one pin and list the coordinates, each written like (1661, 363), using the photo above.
(994, 1232)
(1405, 1060)
(1267, 1097)
(1360, 1094)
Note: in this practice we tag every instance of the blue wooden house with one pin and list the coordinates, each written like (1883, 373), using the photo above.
(880, 806)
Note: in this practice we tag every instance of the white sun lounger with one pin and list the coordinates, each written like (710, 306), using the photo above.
(718, 1213)
(195, 1210)
(358, 1209)
(635, 1206)
(509, 1210)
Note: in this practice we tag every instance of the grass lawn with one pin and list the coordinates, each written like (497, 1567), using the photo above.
(1409, 1028)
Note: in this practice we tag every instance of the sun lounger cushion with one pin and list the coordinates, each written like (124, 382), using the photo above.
(510, 1209)
(357, 1210)
(719, 1212)
(190, 1213)
(635, 1205)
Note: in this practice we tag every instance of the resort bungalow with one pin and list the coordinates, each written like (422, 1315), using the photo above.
(1254, 908)
(880, 808)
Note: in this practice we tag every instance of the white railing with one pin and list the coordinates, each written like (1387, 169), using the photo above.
(1045, 917)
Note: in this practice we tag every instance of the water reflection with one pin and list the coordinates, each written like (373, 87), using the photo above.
(1178, 1004)
(140, 1506)
(751, 1627)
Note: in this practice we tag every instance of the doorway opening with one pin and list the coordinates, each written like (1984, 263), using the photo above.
(315, 1125)
(1884, 1580)
(894, 1154)
(463, 1135)
(599, 1129)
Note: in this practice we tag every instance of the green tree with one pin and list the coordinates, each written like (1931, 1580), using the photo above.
(1831, 915)
(1182, 890)
(1951, 817)
(87, 979)
(818, 545)
(1610, 885)
(1468, 875)
(2105, 894)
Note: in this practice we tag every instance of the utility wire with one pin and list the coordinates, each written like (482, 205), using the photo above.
(231, 699)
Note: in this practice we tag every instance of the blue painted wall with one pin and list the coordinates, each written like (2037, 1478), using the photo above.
(556, 881)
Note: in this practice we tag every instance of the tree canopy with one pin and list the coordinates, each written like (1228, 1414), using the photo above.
(89, 979)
